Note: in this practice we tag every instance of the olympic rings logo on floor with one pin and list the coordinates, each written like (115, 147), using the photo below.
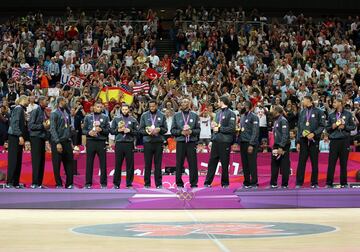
(184, 195)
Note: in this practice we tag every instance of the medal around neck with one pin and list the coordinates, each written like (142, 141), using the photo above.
(121, 124)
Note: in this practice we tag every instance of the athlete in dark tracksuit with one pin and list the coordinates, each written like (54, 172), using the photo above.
(248, 140)
(311, 125)
(222, 139)
(186, 128)
(280, 160)
(153, 126)
(340, 124)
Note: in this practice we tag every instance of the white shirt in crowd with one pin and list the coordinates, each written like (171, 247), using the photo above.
(86, 68)
(261, 114)
(55, 46)
(31, 107)
(286, 71)
(67, 69)
(24, 65)
(154, 60)
(106, 53)
(129, 61)
(340, 47)
(127, 29)
(306, 44)
(70, 54)
(113, 40)
(205, 127)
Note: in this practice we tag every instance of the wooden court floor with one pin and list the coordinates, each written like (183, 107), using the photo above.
(55, 230)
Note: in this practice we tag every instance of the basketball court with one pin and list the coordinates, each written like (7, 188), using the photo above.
(297, 230)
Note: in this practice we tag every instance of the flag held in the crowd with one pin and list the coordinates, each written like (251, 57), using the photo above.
(64, 78)
(71, 81)
(138, 88)
(75, 82)
(152, 74)
(15, 72)
(24, 73)
(115, 92)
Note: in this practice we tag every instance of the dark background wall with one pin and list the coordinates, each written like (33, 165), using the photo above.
(336, 7)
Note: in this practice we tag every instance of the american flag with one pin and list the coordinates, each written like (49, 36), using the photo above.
(125, 88)
(164, 72)
(24, 75)
(15, 72)
(37, 72)
(28, 80)
(27, 75)
(139, 87)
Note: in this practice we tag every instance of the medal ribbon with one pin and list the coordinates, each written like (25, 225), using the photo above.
(243, 119)
(220, 118)
(338, 115)
(308, 115)
(276, 123)
(186, 120)
(64, 117)
(153, 120)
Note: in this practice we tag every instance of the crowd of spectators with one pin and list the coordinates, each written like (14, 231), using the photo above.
(245, 55)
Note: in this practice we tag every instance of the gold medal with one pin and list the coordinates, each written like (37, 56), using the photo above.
(305, 133)
(242, 129)
(121, 124)
(307, 123)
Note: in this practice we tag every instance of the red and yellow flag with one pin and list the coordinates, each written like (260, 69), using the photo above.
(122, 93)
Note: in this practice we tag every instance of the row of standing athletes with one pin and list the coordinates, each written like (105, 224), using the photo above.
(186, 129)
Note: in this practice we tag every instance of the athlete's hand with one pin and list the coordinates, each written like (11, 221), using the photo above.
(59, 148)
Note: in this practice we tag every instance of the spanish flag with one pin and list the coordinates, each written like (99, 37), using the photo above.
(122, 93)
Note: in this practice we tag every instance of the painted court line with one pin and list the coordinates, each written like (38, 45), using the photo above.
(213, 238)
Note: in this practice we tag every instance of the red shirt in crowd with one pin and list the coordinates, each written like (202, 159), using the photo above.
(60, 34)
(87, 105)
(112, 105)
